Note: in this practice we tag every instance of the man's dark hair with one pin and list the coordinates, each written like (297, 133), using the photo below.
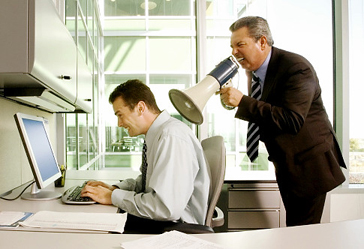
(133, 91)
(257, 27)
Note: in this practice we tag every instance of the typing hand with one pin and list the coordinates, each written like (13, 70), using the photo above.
(99, 183)
(98, 193)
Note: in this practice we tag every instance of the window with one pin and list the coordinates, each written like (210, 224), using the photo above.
(356, 53)
(171, 44)
(294, 28)
(155, 45)
(83, 143)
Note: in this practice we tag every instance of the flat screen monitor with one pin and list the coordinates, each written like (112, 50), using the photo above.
(41, 157)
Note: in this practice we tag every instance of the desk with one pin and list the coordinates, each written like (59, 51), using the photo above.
(337, 235)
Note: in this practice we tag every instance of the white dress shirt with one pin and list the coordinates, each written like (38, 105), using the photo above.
(178, 182)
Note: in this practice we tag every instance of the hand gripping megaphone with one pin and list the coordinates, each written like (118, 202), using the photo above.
(191, 101)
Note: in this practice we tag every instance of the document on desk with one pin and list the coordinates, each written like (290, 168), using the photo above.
(11, 219)
(170, 240)
(107, 222)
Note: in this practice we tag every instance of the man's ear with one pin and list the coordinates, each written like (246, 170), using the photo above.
(141, 107)
(263, 42)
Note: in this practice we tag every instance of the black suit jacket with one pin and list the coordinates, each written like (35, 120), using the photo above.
(295, 127)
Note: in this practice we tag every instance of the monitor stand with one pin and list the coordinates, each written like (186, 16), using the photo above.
(40, 195)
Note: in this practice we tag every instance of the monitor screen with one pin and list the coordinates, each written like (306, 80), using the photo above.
(40, 154)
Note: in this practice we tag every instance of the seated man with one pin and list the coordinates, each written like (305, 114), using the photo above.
(175, 187)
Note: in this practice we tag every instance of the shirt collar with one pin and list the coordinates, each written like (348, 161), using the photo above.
(154, 128)
(262, 71)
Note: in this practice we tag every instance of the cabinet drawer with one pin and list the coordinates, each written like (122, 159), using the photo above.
(253, 219)
(262, 199)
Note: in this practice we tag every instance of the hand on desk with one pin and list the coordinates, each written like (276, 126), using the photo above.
(98, 191)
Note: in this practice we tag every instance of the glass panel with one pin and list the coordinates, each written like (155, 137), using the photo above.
(124, 8)
(124, 54)
(170, 25)
(81, 34)
(356, 54)
(83, 137)
(90, 11)
(220, 15)
(161, 84)
(115, 24)
(168, 8)
(71, 141)
(170, 54)
(83, 6)
(70, 11)
(90, 54)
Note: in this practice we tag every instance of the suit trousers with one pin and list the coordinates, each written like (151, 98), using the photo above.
(303, 211)
(138, 225)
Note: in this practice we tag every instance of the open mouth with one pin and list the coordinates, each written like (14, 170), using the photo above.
(240, 59)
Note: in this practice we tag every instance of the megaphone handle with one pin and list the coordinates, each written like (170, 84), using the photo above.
(227, 84)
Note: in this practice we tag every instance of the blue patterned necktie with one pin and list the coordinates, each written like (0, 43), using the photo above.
(253, 129)
(144, 166)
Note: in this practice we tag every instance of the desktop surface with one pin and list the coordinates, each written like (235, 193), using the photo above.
(336, 235)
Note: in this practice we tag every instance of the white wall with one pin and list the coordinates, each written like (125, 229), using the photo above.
(14, 166)
(347, 204)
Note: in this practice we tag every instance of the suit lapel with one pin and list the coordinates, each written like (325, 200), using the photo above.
(270, 77)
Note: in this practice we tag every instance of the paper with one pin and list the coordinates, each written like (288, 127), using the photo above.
(170, 240)
(110, 222)
(11, 219)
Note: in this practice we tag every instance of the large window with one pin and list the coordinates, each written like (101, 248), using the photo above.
(159, 46)
(294, 28)
(356, 88)
(154, 43)
(173, 44)
(83, 143)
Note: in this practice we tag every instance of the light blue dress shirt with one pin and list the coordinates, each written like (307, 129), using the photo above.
(178, 182)
(262, 71)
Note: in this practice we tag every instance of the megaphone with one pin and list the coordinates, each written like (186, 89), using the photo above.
(191, 101)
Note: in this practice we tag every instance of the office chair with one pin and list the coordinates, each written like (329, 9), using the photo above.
(215, 153)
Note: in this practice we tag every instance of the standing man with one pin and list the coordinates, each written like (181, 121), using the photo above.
(175, 185)
(290, 117)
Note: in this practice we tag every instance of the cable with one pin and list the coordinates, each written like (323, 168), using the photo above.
(13, 199)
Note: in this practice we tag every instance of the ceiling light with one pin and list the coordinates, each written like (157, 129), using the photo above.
(151, 5)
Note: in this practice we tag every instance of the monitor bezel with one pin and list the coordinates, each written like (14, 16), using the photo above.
(29, 151)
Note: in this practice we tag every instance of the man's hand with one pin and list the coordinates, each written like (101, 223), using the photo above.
(99, 183)
(98, 191)
(231, 96)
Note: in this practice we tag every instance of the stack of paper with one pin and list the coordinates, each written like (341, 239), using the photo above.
(107, 222)
(10, 219)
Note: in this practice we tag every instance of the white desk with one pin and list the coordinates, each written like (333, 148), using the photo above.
(337, 235)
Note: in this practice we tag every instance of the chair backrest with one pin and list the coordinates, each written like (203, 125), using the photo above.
(215, 153)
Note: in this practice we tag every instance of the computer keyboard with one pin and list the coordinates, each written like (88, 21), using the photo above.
(73, 196)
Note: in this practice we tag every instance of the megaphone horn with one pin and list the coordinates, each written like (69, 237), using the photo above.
(191, 101)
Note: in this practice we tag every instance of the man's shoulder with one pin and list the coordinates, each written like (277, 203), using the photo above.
(284, 55)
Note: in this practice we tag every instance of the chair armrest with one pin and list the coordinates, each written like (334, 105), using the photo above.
(218, 218)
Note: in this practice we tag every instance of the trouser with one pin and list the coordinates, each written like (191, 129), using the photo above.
(303, 210)
(137, 225)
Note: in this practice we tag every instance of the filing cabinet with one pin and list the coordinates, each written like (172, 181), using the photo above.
(254, 205)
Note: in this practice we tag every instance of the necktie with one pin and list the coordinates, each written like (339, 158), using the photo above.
(253, 129)
(144, 166)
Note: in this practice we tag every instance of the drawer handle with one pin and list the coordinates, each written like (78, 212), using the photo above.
(65, 77)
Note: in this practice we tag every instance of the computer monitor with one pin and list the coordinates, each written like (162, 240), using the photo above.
(40, 155)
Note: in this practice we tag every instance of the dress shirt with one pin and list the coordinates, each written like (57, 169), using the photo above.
(178, 182)
(262, 71)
